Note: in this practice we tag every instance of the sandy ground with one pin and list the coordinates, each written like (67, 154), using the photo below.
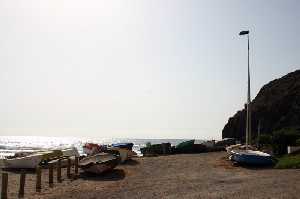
(206, 175)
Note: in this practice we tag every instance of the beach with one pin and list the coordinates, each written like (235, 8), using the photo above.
(205, 175)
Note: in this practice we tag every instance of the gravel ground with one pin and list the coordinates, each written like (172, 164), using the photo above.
(206, 175)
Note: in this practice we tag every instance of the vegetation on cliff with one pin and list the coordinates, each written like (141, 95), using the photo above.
(276, 107)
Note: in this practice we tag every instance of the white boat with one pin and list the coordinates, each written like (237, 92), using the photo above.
(26, 162)
(99, 163)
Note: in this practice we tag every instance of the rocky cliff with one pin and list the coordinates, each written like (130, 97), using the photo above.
(276, 106)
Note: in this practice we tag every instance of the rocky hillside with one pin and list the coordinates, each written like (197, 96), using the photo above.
(277, 106)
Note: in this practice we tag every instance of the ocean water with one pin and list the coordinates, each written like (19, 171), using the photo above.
(12, 144)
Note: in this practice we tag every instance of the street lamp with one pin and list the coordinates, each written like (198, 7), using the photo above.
(248, 120)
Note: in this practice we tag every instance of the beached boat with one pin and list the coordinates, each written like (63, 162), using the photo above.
(27, 162)
(99, 163)
(231, 148)
(123, 145)
(157, 149)
(92, 149)
(252, 158)
(124, 153)
(30, 160)
(185, 147)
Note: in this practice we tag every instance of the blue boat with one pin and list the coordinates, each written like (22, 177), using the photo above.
(123, 145)
(252, 158)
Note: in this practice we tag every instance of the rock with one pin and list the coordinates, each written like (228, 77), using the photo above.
(277, 106)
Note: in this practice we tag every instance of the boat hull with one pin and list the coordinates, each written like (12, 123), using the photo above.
(99, 163)
(252, 158)
(102, 167)
(27, 162)
(123, 145)
(185, 147)
(125, 154)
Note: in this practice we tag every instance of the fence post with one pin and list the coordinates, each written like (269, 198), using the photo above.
(76, 164)
(69, 168)
(51, 175)
(38, 179)
(22, 184)
(4, 186)
(59, 170)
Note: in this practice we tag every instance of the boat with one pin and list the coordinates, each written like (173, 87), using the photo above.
(157, 149)
(126, 145)
(124, 153)
(230, 149)
(131, 154)
(92, 148)
(30, 160)
(185, 147)
(251, 158)
(99, 163)
(27, 162)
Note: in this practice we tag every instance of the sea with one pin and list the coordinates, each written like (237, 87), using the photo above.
(9, 145)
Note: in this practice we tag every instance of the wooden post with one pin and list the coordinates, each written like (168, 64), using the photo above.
(38, 179)
(4, 185)
(59, 170)
(69, 168)
(76, 165)
(51, 175)
(22, 184)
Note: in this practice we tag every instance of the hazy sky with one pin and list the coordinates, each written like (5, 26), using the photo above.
(138, 69)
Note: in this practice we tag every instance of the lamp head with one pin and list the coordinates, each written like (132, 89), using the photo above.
(244, 32)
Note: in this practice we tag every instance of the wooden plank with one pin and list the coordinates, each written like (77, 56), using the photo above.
(4, 185)
(22, 184)
(38, 179)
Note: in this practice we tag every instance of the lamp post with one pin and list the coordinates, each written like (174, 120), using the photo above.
(248, 120)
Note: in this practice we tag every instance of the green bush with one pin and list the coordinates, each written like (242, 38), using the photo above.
(288, 162)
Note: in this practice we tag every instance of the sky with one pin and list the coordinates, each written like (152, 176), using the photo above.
(138, 68)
